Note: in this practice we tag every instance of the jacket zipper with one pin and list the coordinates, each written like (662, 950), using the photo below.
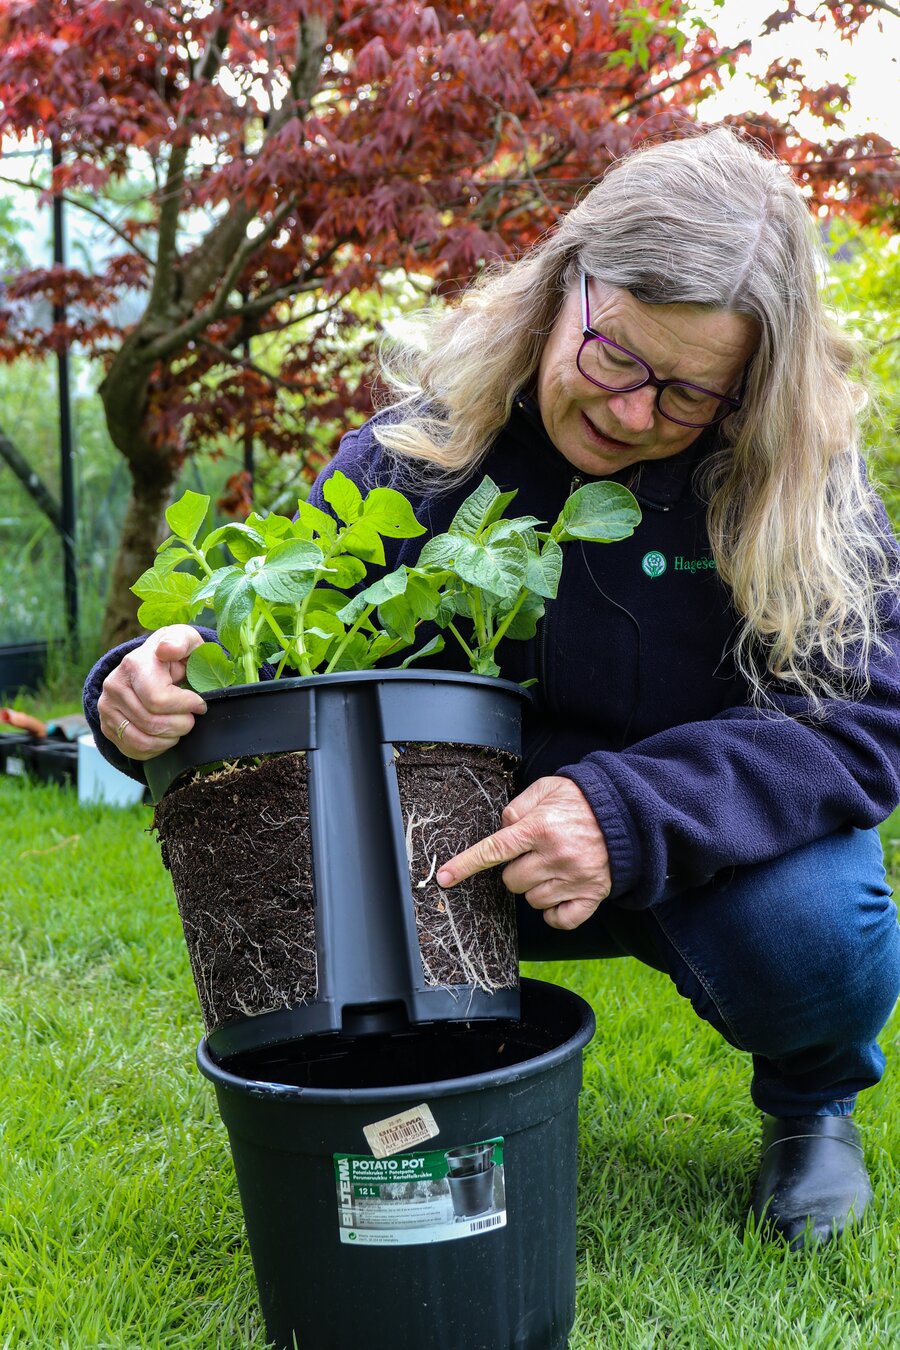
(575, 483)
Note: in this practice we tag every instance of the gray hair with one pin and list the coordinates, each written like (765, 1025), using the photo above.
(705, 220)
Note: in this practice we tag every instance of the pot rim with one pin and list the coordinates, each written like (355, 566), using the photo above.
(446, 1087)
(425, 675)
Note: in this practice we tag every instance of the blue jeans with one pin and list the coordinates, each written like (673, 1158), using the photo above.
(796, 961)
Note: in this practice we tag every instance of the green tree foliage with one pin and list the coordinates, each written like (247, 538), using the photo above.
(864, 287)
(298, 153)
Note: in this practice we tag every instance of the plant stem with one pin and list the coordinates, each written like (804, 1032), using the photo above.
(462, 642)
(301, 609)
(286, 644)
(508, 620)
(248, 655)
(346, 638)
(198, 556)
(478, 617)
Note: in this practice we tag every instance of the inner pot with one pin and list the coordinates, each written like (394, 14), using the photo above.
(306, 882)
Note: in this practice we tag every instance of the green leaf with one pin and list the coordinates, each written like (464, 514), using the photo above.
(391, 514)
(363, 541)
(345, 572)
(324, 598)
(207, 590)
(484, 664)
(398, 616)
(162, 581)
(169, 560)
(355, 655)
(598, 512)
(544, 570)
(324, 621)
(159, 613)
(380, 646)
(525, 623)
(478, 510)
(352, 609)
(498, 506)
(287, 574)
(424, 593)
(209, 668)
(446, 611)
(452, 604)
(311, 520)
(185, 516)
(384, 589)
(498, 568)
(523, 525)
(244, 541)
(233, 604)
(440, 551)
(430, 649)
(342, 494)
(321, 633)
(272, 527)
(168, 597)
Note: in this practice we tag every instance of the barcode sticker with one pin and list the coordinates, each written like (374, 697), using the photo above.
(494, 1221)
(410, 1127)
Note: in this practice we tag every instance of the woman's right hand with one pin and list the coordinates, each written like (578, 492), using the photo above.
(142, 709)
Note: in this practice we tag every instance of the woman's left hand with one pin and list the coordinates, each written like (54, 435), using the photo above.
(554, 849)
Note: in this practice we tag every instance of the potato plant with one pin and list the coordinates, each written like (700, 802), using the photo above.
(295, 592)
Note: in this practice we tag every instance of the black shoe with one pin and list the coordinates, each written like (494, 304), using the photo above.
(812, 1178)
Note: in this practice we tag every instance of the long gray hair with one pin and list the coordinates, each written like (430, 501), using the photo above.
(706, 220)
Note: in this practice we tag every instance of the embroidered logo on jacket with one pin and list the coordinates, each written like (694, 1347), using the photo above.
(654, 563)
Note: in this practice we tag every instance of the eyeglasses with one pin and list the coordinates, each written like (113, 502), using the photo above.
(618, 370)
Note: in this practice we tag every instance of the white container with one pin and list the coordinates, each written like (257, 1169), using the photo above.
(98, 781)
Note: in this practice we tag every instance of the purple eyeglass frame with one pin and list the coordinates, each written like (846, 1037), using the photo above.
(590, 334)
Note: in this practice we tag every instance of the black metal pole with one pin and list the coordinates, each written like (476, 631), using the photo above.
(67, 480)
(248, 430)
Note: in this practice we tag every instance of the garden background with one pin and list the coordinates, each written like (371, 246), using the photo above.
(249, 203)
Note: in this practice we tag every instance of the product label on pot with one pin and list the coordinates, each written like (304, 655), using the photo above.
(452, 1193)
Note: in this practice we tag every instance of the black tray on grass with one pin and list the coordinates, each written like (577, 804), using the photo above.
(52, 761)
(13, 750)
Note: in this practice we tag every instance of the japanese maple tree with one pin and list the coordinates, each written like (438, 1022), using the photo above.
(296, 153)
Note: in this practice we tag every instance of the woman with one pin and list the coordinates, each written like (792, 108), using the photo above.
(717, 724)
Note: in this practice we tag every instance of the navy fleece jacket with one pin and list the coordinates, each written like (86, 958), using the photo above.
(638, 700)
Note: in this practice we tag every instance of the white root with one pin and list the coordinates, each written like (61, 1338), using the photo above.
(421, 884)
(478, 783)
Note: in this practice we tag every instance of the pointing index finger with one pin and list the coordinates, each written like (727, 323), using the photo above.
(501, 847)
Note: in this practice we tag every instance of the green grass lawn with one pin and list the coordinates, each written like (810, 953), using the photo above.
(120, 1225)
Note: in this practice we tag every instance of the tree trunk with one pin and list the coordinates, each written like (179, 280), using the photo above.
(142, 530)
(154, 469)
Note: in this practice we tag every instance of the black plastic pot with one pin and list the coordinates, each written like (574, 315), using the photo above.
(370, 975)
(52, 761)
(13, 745)
(22, 666)
(337, 1269)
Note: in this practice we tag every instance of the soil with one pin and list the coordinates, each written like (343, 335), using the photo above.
(237, 844)
(451, 796)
